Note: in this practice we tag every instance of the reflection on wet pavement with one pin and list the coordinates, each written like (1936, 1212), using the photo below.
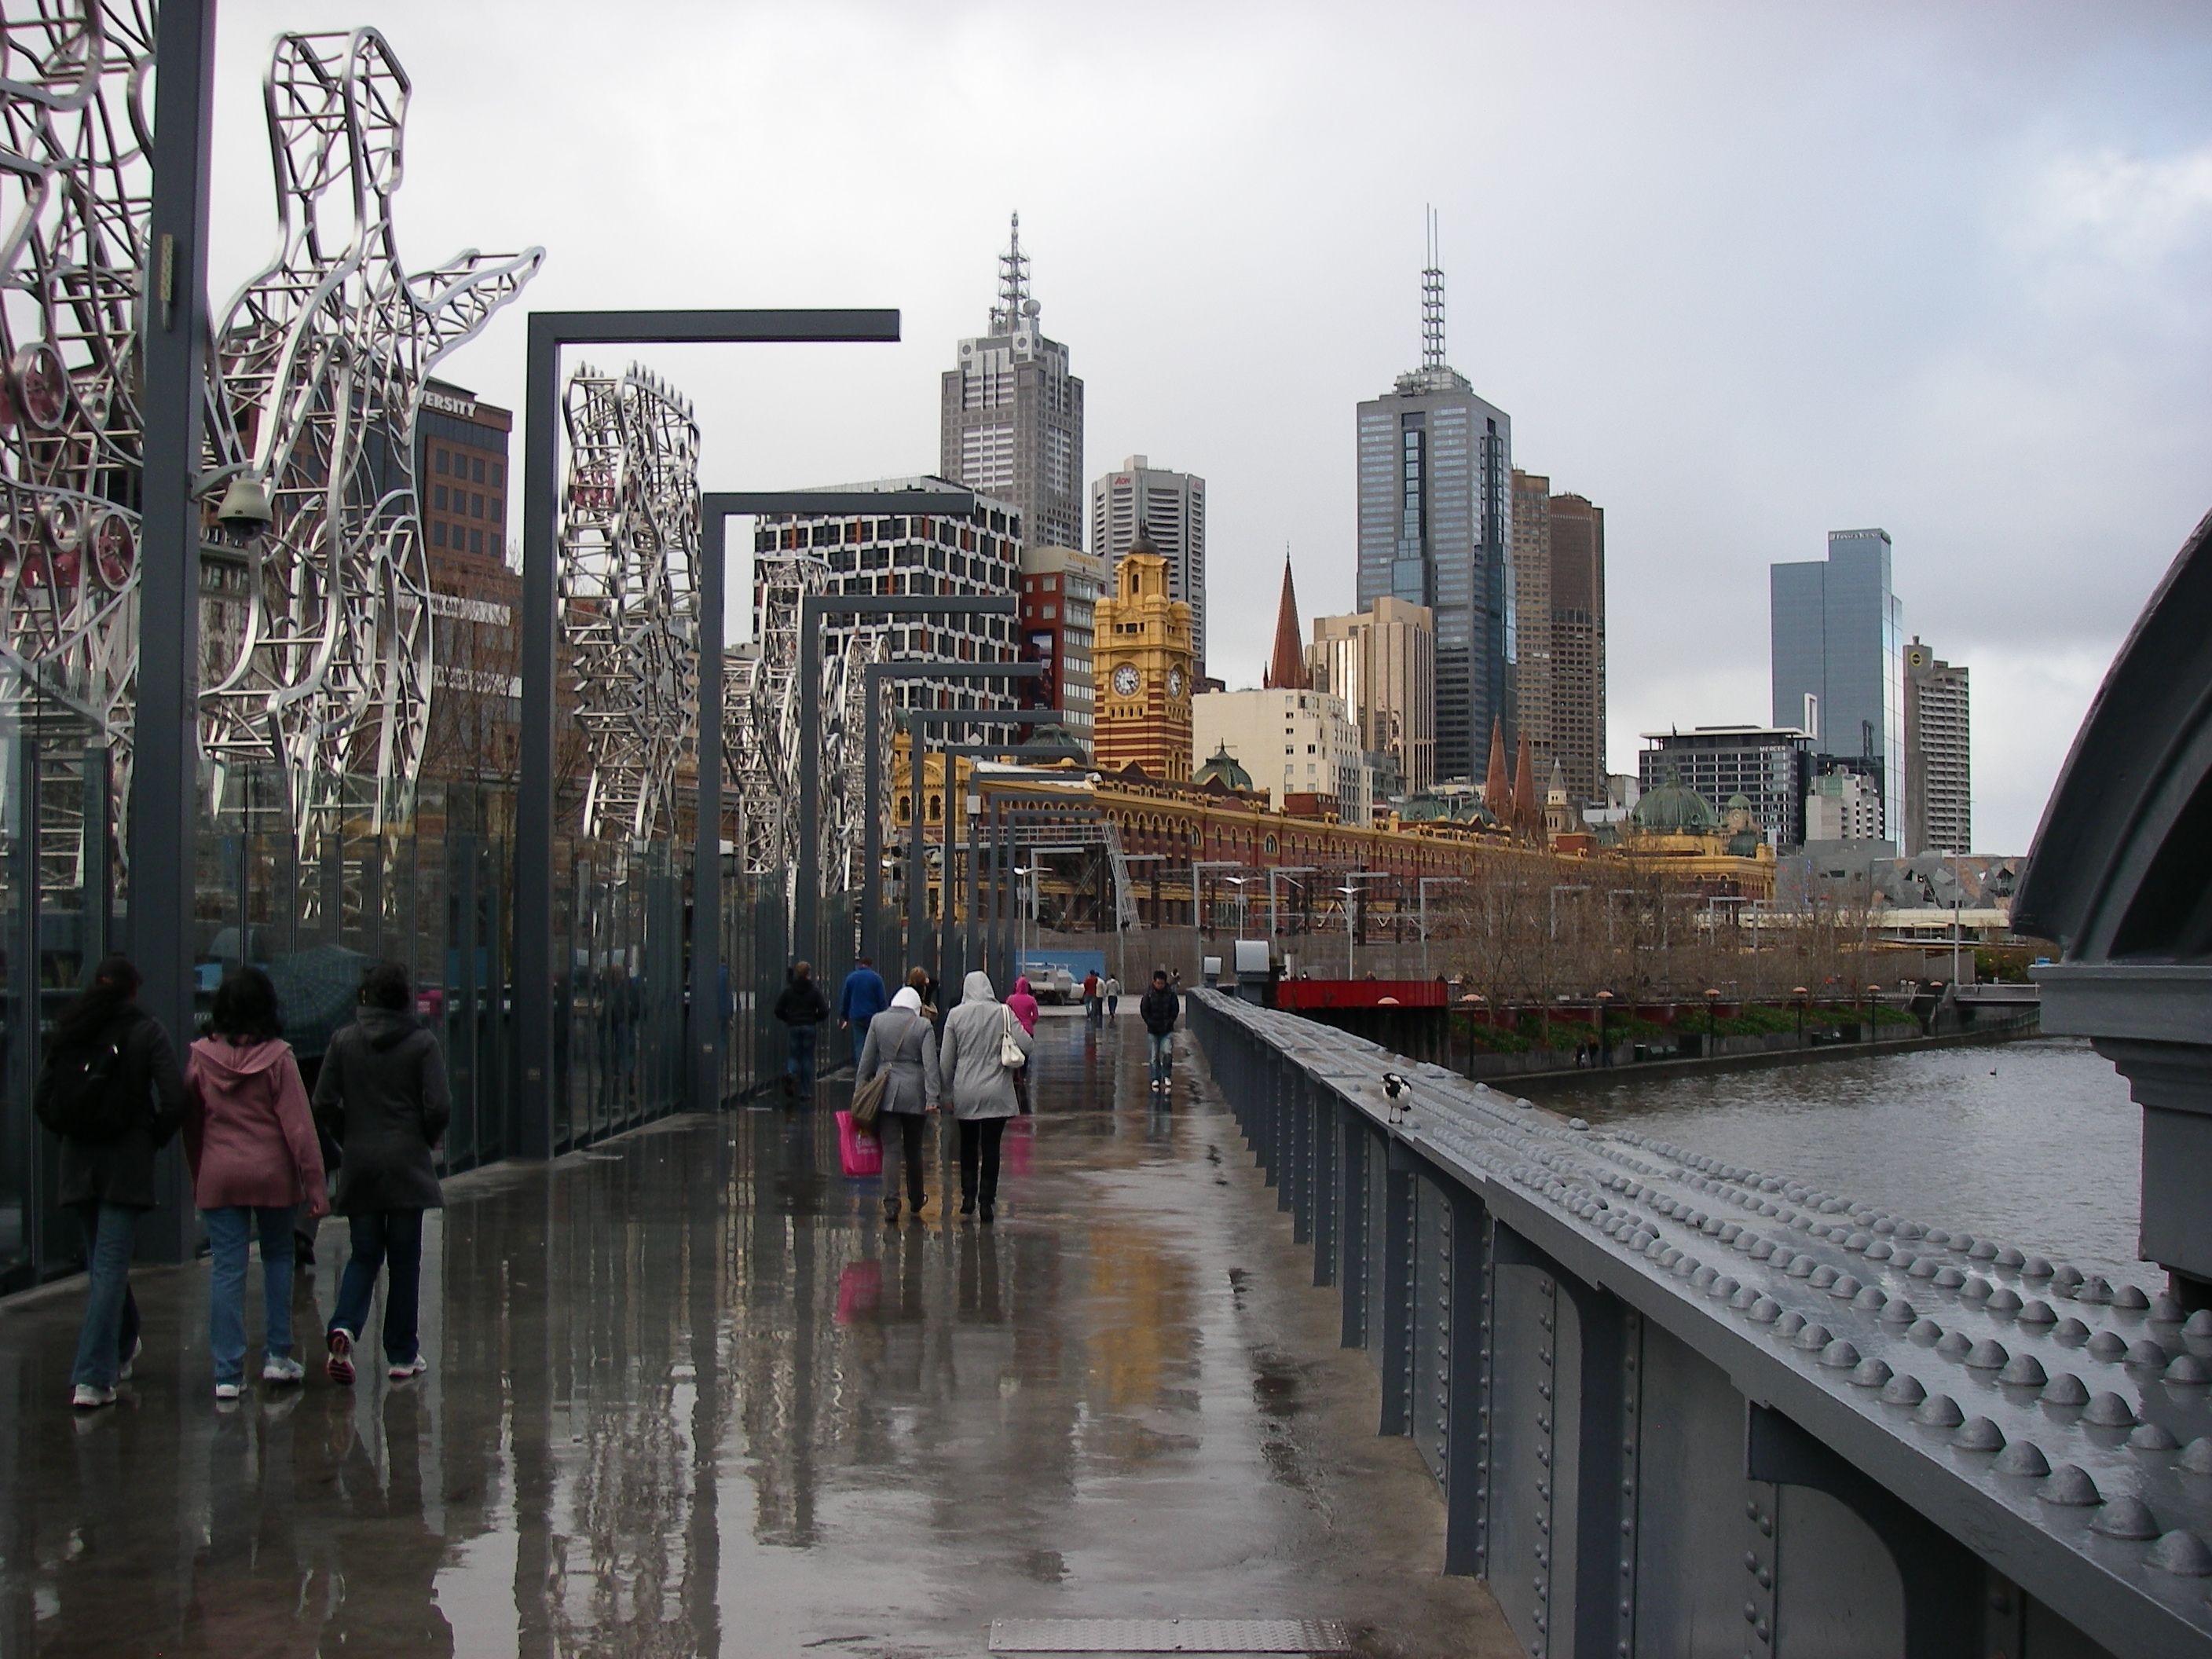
(688, 1395)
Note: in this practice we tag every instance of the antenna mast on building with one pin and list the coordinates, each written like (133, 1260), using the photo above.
(1013, 284)
(1433, 301)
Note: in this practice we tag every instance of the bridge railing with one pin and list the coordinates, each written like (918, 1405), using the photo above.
(1681, 1407)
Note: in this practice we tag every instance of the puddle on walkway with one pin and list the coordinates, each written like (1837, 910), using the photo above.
(691, 1397)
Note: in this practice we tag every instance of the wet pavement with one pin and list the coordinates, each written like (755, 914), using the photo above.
(688, 1395)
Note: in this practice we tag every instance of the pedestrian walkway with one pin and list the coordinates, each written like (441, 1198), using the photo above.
(688, 1395)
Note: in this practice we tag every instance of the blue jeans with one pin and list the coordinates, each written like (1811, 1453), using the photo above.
(230, 1228)
(861, 1036)
(1160, 1046)
(110, 1330)
(800, 1065)
(378, 1237)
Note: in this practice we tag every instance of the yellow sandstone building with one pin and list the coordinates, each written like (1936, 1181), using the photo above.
(1144, 666)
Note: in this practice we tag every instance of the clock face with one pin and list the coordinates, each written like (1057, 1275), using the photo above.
(1125, 681)
(1175, 681)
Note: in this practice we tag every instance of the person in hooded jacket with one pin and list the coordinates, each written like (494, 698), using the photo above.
(110, 1183)
(382, 1096)
(983, 1089)
(902, 1041)
(802, 1009)
(251, 1147)
(1023, 1004)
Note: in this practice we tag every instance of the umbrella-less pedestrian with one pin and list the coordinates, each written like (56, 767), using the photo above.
(982, 1086)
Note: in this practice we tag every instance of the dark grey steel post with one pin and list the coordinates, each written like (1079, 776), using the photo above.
(97, 855)
(876, 674)
(813, 608)
(715, 510)
(23, 979)
(530, 1125)
(165, 772)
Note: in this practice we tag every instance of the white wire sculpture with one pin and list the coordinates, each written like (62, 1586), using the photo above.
(322, 357)
(629, 594)
(75, 194)
(317, 631)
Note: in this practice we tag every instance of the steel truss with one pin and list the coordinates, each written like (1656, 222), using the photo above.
(629, 594)
(317, 631)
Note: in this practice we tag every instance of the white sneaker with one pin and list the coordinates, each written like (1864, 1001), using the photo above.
(283, 1368)
(414, 1367)
(87, 1397)
(226, 1390)
(138, 1348)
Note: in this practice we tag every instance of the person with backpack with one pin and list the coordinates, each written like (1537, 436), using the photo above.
(253, 1153)
(1159, 1008)
(983, 1047)
(112, 1089)
(382, 1096)
(902, 1042)
(802, 1008)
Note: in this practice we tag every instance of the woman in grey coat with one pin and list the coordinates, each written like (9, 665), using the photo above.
(902, 1042)
(382, 1097)
(983, 1090)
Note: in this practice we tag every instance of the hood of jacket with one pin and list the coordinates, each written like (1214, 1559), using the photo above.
(977, 988)
(387, 1028)
(1021, 986)
(217, 1055)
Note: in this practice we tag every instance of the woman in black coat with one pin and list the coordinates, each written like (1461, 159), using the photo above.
(110, 1182)
(382, 1097)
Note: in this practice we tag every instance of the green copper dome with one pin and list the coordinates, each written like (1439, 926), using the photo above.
(1224, 766)
(1675, 809)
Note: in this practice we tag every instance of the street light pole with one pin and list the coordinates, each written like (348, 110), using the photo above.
(1274, 916)
(530, 1129)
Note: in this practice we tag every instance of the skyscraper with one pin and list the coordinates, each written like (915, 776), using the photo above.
(1939, 777)
(1839, 658)
(1171, 508)
(1577, 646)
(1011, 422)
(1383, 662)
(1435, 525)
(1532, 612)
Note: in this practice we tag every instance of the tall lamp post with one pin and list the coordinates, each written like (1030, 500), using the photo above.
(1274, 916)
(1801, 994)
(530, 1126)
(1351, 892)
(1712, 1024)
(1604, 1007)
(716, 508)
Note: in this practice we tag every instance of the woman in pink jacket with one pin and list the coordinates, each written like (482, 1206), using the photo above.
(251, 1145)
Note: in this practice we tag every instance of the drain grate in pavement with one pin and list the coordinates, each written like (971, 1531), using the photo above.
(1167, 1636)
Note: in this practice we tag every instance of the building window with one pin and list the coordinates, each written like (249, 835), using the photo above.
(476, 541)
(438, 533)
(493, 513)
(445, 459)
(437, 497)
(498, 475)
(476, 470)
(476, 507)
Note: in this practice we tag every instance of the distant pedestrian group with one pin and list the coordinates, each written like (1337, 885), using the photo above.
(112, 1090)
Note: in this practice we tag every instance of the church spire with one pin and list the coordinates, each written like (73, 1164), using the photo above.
(1286, 669)
(1528, 810)
(1497, 787)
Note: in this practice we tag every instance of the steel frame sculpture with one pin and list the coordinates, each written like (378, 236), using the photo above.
(320, 628)
(322, 357)
(629, 593)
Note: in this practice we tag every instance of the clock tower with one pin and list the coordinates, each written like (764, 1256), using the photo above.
(1143, 666)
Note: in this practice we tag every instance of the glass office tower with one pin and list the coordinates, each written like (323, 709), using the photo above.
(1839, 661)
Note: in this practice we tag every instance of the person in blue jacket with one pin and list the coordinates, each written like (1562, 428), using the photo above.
(861, 997)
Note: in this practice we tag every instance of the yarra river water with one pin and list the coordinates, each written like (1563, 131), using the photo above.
(2033, 1143)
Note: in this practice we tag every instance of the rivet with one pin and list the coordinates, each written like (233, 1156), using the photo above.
(2037, 1312)
(2144, 1351)
(1844, 1288)
(1984, 1251)
(2072, 1487)
(2199, 1323)
(1981, 1434)
(1898, 1311)
(1812, 1338)
(2009, 1257)
(1790, 1323)
(1949, 1278)
(2022, 1371)
(1939, 1410)
(2153, 1437)
(2131, 1298)
(2108, 1345)
(1955, 1345)
(2126, 1517)
(2188, 1368)
(2022, 1457)
(2036, 1267)
(1986, 1355)
(2066, 1389)
(2109, 1411)
(1840, 1355)
(1872, 1373)
(2196, 1456)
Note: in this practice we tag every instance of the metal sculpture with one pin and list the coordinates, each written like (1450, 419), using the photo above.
(75, 189)
(316, 615)
(761, 739)
(629, 593)
(322, 358)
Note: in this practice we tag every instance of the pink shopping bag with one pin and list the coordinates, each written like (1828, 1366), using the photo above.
(859, 1151)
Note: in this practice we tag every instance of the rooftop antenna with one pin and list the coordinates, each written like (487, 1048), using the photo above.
(1014, 301)
(1432, 301)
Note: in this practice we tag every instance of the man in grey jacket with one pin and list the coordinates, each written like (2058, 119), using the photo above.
(982, 1086)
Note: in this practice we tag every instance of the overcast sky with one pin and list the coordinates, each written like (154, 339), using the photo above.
(1741, 273)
